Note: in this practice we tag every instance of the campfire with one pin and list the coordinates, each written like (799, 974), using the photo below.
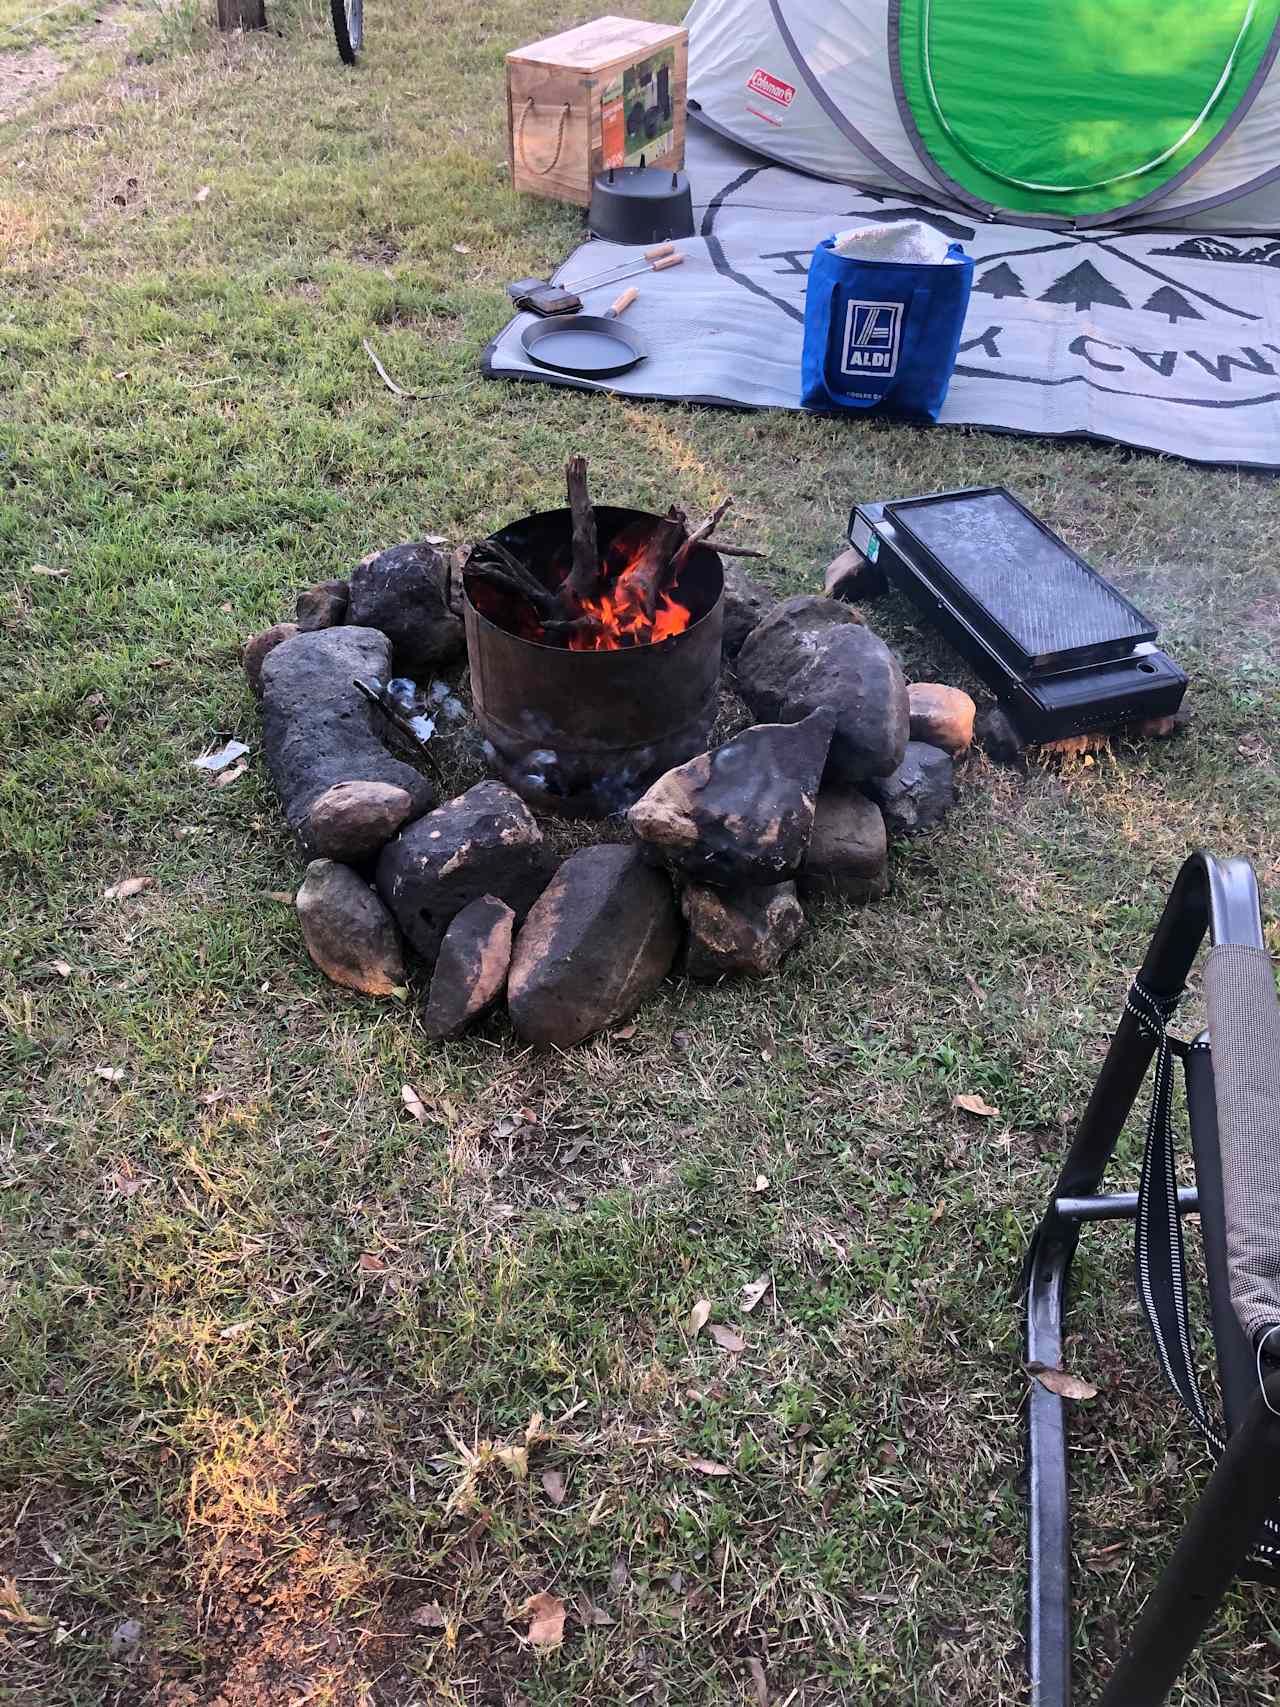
(594, 638)
(603, 647)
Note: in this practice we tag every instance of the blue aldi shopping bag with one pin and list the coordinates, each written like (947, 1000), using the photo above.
(882, 334)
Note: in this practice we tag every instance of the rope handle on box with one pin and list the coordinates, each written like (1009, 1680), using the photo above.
(540, 171)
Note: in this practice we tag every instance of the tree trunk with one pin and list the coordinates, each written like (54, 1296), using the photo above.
(242, 15)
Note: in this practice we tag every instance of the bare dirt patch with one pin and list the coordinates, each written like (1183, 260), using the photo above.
(27, 74)
(23, 76)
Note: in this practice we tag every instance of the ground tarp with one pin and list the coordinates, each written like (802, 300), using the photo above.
(1167, 342)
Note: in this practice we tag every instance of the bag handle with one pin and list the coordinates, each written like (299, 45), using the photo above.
(540, 171)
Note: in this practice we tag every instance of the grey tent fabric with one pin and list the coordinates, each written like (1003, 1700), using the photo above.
(1244, 1031)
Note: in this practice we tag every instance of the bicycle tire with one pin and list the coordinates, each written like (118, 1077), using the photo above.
(348, 28)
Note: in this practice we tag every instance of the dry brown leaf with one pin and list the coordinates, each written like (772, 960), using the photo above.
(726, 1338)
(972, 1103)
(624, 1033)
(758, 1682)
(126, 887)
(284, 896)
(113, 1075)
(461, 249)
(754, 1291)
(553, 1486)
(516, 1459)
(699, 1316)
(428, 1616)
(534, 1430)
(592, 1616)
(413, 1102)
(709, 1467)
(61, 967)
(938, 1211)
(546, 1620)
(126, 1182)
(760, 1183)
(223, 778)
(370, 1264)
(235, 1331)
(202, 194)
(1062, 1382)
(44, 569)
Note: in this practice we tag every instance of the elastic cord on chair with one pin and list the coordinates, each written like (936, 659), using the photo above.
(1152, 1012)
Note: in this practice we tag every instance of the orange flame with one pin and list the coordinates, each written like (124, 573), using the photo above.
(619, 617)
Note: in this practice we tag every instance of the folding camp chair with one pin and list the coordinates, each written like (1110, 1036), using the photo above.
(1232, 1076)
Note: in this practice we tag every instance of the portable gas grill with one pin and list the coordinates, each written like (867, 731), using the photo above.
(1063, 651)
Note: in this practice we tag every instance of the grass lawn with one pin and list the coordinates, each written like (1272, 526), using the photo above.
(274, 1351)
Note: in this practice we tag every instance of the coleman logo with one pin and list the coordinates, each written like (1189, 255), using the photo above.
(772, 88)
(872, 331)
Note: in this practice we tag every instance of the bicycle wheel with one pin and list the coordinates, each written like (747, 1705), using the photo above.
(348, 27)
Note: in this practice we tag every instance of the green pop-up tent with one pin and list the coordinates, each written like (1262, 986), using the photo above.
(1069, 113)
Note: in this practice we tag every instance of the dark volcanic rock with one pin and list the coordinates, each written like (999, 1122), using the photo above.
(317, 729)
(942, 716)
(602, 937)
(849, 576)
(743, 931)
(403, 592)
(746, 604)
(471, 968)
(998, 736)
(256, 648)
(352, 821)
(348, 932)
(485, 842)
(777, 647)
(919, 793)
(813, 652)
(322, 606)
(849, 849)
(742, 813)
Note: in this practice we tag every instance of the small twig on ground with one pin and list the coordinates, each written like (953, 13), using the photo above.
(383, 375)
(399, 390)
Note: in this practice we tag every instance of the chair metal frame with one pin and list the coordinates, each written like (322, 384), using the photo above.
(1219, 898)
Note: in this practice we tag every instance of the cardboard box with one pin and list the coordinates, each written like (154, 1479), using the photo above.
(606, 94)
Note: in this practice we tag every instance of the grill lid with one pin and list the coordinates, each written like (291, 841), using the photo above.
(1033, 598)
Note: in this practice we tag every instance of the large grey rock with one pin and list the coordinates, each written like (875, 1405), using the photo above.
(813, 653)
(601, 938)
(741, 814)
(848, 850)
(352, 821)
(471, 968)
(348, 932)
(746, 604)
(920, 793)
(318, 730)
(942, 716)
(780, 644)
(743, 932)
(403, 591)
(485, 842)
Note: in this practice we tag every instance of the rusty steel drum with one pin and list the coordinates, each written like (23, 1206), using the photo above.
(583, 734)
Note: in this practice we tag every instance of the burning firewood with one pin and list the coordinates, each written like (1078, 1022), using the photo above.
(583, 581)
(622, 596)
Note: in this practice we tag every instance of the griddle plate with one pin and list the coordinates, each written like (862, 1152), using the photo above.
(1018, 577)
